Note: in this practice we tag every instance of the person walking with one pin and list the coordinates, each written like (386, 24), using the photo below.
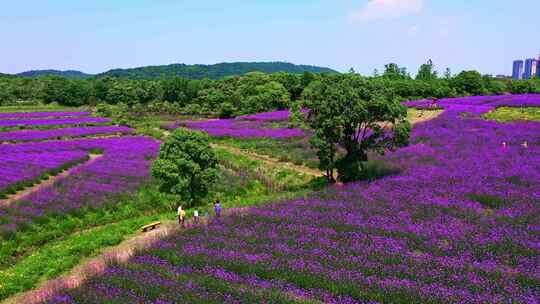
(217, 208)
(181, 216)
(196, 216)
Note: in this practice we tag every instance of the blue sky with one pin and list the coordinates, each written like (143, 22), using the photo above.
(94, 36)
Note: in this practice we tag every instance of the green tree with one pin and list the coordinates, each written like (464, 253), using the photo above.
(447, 74)
(427, 72)
(186, 166)
(358, 115)
(393, 72)
(469, 82)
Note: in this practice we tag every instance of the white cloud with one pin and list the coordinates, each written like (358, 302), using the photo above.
(376, 10)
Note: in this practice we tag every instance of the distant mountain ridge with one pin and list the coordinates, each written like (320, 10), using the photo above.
(70, 74)
(195, 71)
(214, 71)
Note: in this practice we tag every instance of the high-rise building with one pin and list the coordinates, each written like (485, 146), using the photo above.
(517, 71)
(538, 67)
(531, 66)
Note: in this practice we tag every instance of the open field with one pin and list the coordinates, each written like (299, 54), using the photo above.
(457, 220)
(66, 210)
(457, 223)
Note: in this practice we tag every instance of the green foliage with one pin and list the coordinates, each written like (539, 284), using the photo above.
(349, 111)
(163, 90)
(226, 110)
(394, 72)
(186, 166)
(427, 72)
(216, 71)
(469, 82)
(64, 74)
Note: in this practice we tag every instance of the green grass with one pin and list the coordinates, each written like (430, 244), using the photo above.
(56, 243)
(294, 150)
(507, 114)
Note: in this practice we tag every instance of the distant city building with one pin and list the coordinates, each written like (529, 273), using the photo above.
(517, 71)
(531, 66)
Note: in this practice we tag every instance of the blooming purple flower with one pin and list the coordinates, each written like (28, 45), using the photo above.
(59, 121)
(32, 135)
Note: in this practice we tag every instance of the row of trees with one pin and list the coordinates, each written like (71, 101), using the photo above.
(252, 92)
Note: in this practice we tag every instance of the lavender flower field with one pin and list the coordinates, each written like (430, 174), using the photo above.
(124, 165)
(34, 135)
(460, 223)
(52, 122)
(255, 126)
(18, 170)
(26, 115)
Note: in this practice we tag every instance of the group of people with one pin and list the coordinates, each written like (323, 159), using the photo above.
(182, 214)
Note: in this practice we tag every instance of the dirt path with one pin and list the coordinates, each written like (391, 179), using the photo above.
(94, 266)
(417, 116)
(45, 183)
(269, 160)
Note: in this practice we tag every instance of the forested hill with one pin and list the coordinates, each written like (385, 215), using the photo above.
(65, 74)
(215, 71)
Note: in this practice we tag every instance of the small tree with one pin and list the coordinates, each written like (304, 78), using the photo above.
(356, 114)
(186, 166)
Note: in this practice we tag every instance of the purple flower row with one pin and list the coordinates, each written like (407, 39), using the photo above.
(241, 129)
(17, 168)
(124, 165)
(42, 114)
(60, 121)
(31, 135)
(459, 224)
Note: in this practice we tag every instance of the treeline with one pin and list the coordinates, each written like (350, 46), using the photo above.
(213, 71)
(249, 93)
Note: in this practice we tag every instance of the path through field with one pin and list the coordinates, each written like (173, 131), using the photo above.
(46, 183)
(96, 265)
(270, 160)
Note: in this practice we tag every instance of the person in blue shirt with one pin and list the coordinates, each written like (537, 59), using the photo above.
(217, 208)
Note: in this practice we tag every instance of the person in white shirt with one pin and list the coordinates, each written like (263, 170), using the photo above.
(196, 216)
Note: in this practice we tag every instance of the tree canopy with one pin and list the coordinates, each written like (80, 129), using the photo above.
(186, 166)
(357, 115)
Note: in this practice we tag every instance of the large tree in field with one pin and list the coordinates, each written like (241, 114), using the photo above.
(186, 166)
(354, 114)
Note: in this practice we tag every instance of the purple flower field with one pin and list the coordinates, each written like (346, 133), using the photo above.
(459, 224)
(241, 129)
(33, 135)
(125, 164)
(17, 169)
(59, 121)
(42, 114)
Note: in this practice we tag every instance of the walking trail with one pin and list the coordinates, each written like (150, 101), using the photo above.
(269, 160)
(97, 265)
(45, 183)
